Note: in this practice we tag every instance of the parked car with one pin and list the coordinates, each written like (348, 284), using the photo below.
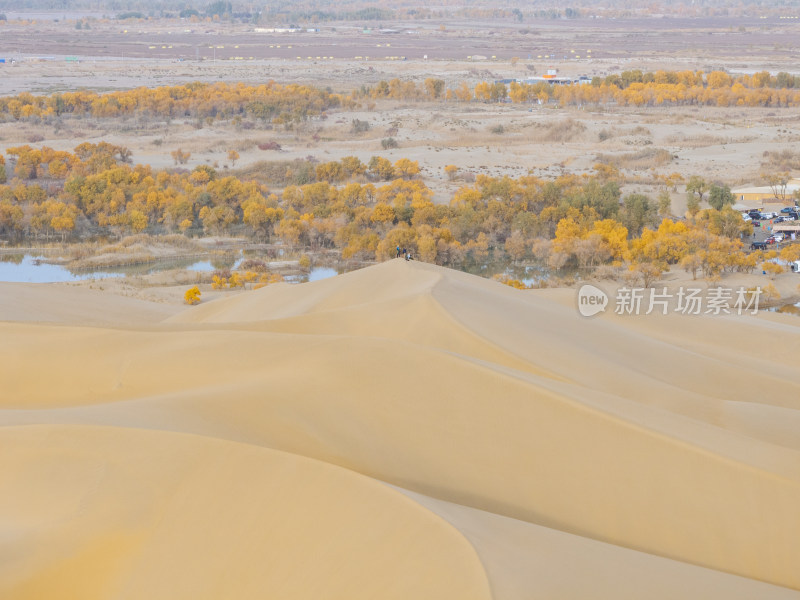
(778, 237)
(756, 216)
(755, 223)
(769, 240)
(747, 217)
(790, 217)
(789, 209)
(779, 219)
(758, 246)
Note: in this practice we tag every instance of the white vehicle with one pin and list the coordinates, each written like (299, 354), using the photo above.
(795, 265)
(778, 236)
(747, 217)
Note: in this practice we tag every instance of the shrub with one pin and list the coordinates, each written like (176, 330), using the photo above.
(772, 269)
(641, 160)
(219, 280)
(235, 280)
(254, 265)
(562, 131)
(180, 157)
(515, 283)
(359, 126)
(770, 293)
(192, 296)
(388, 143)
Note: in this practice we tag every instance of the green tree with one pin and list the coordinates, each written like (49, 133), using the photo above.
(697, 186)
(434, 87)
(693, 205)
(664, 203)
(719, 196)
(639, 213)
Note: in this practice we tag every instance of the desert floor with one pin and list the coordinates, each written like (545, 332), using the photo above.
(724, 144)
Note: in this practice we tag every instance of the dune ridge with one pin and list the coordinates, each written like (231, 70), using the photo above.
(635, 443)
(153, 515)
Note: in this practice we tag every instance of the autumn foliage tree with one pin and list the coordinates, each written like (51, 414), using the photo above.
(364, 210)
(180, 157)
(192, 295)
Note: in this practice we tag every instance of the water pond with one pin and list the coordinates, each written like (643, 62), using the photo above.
(28, 268)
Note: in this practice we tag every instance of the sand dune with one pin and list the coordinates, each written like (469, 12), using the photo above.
(36, 302)
(538, 453)
(111, 513)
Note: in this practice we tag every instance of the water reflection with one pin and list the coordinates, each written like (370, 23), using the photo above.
(30, 269)
(789, 309)
(25, 268)
(318, 273)
(20, 268)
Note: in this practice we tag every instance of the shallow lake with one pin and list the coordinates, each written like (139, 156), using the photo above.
(789, 309)
(27, 268)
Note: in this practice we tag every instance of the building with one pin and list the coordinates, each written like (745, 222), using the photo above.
(757, 197)
(553, 77)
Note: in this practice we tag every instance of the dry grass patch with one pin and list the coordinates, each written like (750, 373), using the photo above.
(781, 160)
(697, 141)
(134, 249)
(638, 161)
(567, 130)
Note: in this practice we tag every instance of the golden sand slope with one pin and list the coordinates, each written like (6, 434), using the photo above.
(643, 457)
(62, 303)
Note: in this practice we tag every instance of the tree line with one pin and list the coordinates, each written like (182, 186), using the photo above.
(292, 103)
(629, 88)
(364, 210)
(270, 102)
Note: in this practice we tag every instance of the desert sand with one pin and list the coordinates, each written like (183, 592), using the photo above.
(400, 431)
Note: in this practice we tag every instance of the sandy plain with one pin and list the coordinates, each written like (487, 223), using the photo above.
(724, 144)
